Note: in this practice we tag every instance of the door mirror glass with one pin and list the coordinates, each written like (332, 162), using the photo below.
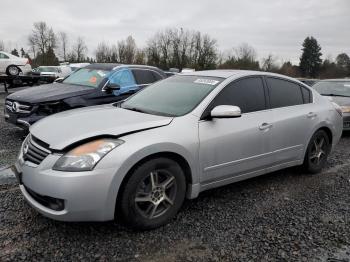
(225, 111)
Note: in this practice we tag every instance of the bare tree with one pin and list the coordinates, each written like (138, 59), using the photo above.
(63, 40)
(103, 53)
(80, 49)
(182, 48)
(269, 64)
(126, 50)
(42, 37)
(2, 45)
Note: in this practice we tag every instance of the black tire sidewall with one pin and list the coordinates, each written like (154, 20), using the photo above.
(311, 167)
(129, 214)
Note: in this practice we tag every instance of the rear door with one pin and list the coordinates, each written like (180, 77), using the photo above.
(293, 119)
(145, 77)
(232, 147)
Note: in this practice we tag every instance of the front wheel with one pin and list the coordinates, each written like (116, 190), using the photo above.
(12, 70)
(317, 152)
(153, 194)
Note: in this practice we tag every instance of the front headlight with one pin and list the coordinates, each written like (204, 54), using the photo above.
(85, 157)
(345, 109)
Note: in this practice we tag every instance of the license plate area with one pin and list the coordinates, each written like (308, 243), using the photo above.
(346, 124)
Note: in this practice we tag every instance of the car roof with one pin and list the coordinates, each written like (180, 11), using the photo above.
(111, 66)
(229, 73)
(336, 80)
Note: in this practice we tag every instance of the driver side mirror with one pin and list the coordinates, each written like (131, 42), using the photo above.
(225, 111)
(110, 87)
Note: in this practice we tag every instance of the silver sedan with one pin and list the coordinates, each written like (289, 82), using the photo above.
(138, 160)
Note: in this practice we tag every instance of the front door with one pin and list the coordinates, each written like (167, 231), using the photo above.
(236, 146)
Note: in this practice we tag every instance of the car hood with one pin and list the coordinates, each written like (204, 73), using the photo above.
(342, 101)
(50, 92)
(63, 129)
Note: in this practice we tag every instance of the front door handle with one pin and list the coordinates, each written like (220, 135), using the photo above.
(265, 126)
(311, 115)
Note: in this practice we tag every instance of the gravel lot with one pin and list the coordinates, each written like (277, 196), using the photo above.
(283, 216)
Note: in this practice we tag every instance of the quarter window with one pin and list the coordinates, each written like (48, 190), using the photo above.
(3, 56)
(248, 94)
(284, 93)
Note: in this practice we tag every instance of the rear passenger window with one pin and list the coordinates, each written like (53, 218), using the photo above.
(247, 93)
(284, 93)
(143, 77)
(157, 76)
(306, 95)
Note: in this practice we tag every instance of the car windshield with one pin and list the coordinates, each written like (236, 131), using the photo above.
(46, 69)
(174, 96)
(88, 77)
(333, 88)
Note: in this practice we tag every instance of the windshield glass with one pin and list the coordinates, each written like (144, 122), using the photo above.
(46, 69)
(341, 88)
(175, 96)
(86, 77)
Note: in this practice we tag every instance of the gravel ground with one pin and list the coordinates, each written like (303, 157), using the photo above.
(283, 216)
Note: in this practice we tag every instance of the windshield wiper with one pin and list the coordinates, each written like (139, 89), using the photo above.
(334, 95)
(135, 109)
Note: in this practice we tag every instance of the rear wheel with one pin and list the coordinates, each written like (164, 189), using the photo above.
(153, 194)
(317, 152)
(12, 70)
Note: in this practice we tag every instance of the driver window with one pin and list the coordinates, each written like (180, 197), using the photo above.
(125, 80)
(248, 94)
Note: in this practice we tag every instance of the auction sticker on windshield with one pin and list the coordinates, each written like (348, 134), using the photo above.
(206, 81)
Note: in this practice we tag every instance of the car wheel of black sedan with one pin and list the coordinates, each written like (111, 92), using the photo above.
(153, 194)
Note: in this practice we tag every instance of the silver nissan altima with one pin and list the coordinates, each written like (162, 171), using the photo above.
(138, 160)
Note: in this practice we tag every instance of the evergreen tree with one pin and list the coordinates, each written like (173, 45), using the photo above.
(310, 60)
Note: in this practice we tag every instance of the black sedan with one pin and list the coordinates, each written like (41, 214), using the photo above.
(92, 85)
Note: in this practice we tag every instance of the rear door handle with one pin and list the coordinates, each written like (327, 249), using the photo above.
(265, 126)
(311, 115)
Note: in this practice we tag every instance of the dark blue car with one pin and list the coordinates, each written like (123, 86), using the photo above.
(92, 85)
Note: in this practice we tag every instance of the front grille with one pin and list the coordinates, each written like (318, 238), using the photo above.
(34, 150)
(17, 107)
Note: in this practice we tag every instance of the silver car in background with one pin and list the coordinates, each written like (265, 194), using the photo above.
(337, 91)
(138, 160)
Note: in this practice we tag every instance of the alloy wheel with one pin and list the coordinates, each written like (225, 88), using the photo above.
(318, 151)
(13, 70)
(156, 194)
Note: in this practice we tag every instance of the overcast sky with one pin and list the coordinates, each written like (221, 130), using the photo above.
(270, 26)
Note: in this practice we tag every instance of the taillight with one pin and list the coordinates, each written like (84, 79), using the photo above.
(337, 108)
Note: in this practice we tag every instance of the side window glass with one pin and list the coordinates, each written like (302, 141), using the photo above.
(3, 56)
(157, 76)
(143, 77)
(306, 95)
(248, 94)
(125, 80)
(284, 93)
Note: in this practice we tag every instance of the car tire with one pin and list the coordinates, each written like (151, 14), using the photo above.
(152, 195)
(12, 70)
(317, 152)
